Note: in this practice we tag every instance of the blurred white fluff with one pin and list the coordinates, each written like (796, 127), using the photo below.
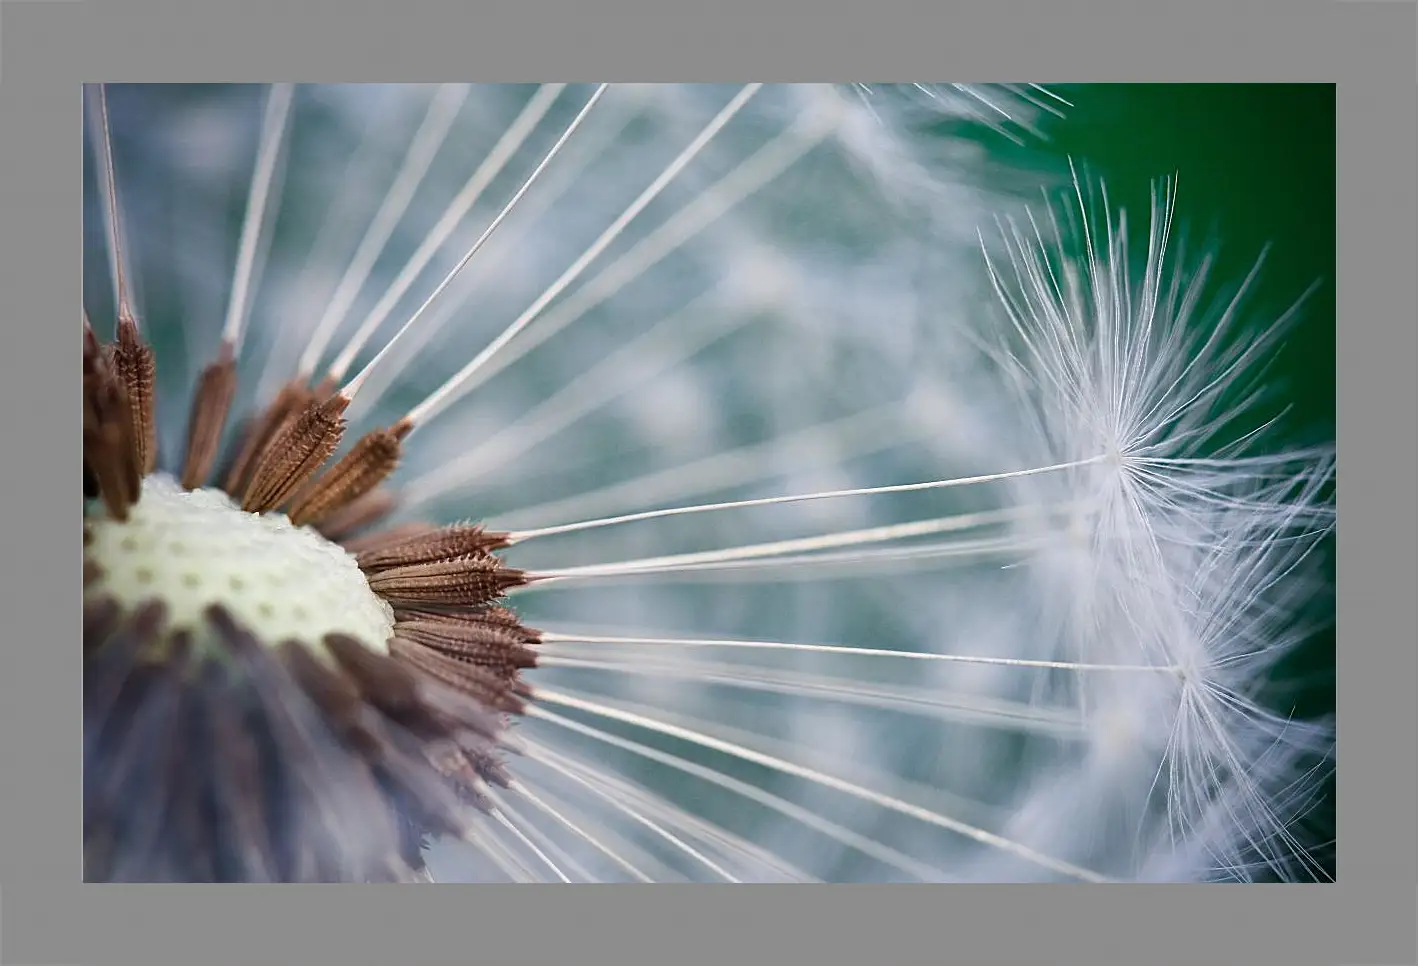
(1185, 544)
(807, 308)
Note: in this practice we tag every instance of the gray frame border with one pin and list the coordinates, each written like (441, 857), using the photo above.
(1365, 46)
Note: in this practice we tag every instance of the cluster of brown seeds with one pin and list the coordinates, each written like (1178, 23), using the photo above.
(214, 755)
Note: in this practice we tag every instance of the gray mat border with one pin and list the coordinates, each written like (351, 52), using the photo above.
(48, 46)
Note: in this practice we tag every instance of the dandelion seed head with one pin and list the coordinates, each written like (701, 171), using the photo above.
(1049, 667)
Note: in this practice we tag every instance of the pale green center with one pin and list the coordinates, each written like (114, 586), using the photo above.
(198, 548)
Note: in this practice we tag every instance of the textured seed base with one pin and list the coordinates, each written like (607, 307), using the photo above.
(197, 548)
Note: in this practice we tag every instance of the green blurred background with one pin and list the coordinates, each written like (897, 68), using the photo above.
(1256, 166)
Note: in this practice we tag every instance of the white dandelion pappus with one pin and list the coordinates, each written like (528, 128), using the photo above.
(1187, 547)
(718, 294)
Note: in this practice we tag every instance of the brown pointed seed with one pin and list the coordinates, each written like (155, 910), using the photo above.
(491, 616)
(478, 683)
(357, 473)
(407, 767)
(432, 546)
(110, 453)
(211, 402)
(292, 400)
(498, 649)
(450, 718)
(335, 694)
(467, 581)
(136, 367)
(383, 682)
(294, 455)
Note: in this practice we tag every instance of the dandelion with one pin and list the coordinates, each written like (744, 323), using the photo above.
(671, 484)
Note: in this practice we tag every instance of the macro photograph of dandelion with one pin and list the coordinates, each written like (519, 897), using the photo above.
(708, 483)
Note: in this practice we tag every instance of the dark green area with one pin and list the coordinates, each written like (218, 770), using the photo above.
(1255, 167)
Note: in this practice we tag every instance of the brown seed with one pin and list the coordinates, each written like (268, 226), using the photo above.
(292, 400)
(491, 615)
(383, 682)
(136, 367)
(357, 473)
(468, 582)
(403, 763)
(110, 452)
(430, 546)
(295, 454)
(476, 682)
(210, 404)
(499, 649)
